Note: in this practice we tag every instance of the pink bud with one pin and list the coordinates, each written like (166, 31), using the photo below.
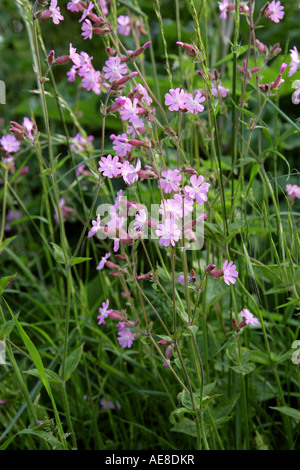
(283, 67)
(210, 267)
(168, 352)
(261, 47)
(216, 273)
(111, 265)
(190, 171)
(64, 59)
(193, 275)
(24, 170)
(144, 277)
(243, 323)
(188, 47)
(125, 79)
(93, 17)
(163, 342)
(115, 315)
(50, 57)
(235, 324)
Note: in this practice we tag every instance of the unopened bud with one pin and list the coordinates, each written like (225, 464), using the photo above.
(144, 277)
(261, 47)
(115, 315)
(115, 274)
(168, 352)
(216, 273)
(190, 171)
(111, 265)
(64, 59)
(193, 275)
(188, 47)
(235, 324)
(99, 21)
(283, 67)
(265, 87)
(50, 57)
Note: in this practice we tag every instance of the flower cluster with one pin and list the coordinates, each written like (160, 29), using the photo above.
(177, 99)
(83, 68)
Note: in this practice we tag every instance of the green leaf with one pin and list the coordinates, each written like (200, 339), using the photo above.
(245, 369)
(7, 328)
(72, 362)
(4, 281)
(193, 329)
(78, 260)
(6, 242)
(186, 426)
(47, 171)
(51, 376)
(52, 441)
(286, 410)
(58, 253)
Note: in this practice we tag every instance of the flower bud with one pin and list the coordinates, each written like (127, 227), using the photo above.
(216, 273)
(168, 352)
(64, 59)
(50, 57)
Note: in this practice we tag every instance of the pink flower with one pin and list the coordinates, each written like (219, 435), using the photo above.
(103, 312)
(294, 64)
(126, 337)
(198, 189)
(176, 99)
(86, 12)
(180, 279)
(110, 166)
(121, 148)
(170, 180)
(114, 69)
(142, 90)
(129, 110)
(103, 261)
(55, 12)
(223, 8)
(87, 29)
(193, 103)
(95, 226)
(169, 232)
(73, 5)
(91, 81)
(104, 7)
(28, 124)
(180, 202)
(249, 318)
(136, 128)
(296, 94)
(275, 11)
(123, 25)
(293, 191)
(10, 143)
(74, 56)
(229, 270)
(129, 173)
(219, 91)
(106, 401)
(140, 220)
